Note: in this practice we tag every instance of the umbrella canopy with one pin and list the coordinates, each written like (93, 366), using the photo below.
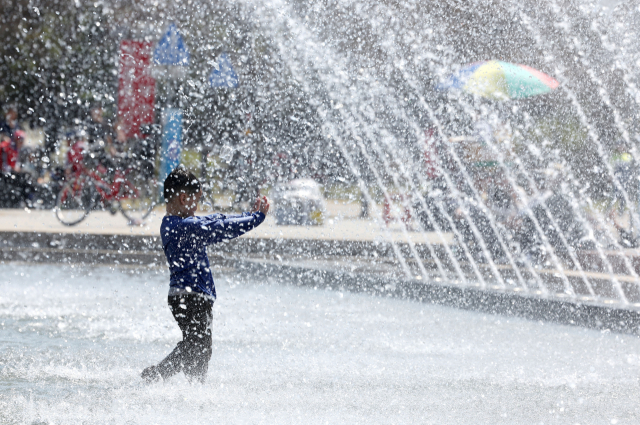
(500, 80)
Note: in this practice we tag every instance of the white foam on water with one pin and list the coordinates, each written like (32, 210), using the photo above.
(73, 343)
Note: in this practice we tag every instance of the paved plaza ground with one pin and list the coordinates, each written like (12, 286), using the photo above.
(342, 223)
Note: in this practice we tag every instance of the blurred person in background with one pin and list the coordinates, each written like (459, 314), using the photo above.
(10, 146)
(18, 188)
(29, 164)
(624, 171)
(10, 124)
(626, 175)
(78, 147)
(98, 132)
(102, 144)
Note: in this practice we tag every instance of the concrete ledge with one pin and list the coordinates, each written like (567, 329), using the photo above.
(304, 248)
(82, 256)
(362, 266)
(80, 241)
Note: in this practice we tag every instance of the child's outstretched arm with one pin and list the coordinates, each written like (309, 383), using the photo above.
(219, 227)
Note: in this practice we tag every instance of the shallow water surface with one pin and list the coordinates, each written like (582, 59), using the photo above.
(73, 342)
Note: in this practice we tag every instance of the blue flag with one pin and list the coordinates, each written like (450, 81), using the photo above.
(223, 74)
(171, 49)
(171, 142)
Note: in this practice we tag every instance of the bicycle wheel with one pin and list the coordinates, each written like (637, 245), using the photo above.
(138, 197)
(74, 202)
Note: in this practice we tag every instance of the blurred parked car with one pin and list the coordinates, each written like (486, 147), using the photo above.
(298, 202)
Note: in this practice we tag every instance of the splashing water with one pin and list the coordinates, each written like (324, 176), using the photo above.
(74, 342)
(346, 90)
(375, 105)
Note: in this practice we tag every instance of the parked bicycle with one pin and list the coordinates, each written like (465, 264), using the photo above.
(130, 191)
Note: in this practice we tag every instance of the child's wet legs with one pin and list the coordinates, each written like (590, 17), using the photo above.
(192, 354)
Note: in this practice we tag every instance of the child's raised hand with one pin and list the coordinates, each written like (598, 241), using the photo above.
(261, 205)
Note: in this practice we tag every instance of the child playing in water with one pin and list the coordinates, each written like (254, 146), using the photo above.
(192, 292)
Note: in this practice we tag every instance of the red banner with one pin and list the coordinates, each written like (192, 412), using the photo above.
(136, 86)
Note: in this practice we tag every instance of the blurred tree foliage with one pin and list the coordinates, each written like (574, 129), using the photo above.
(58, 58)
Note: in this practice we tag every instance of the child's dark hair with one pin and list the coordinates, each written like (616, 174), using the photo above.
(180, 180)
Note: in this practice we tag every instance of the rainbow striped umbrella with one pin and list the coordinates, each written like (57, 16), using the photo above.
(500, 80)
